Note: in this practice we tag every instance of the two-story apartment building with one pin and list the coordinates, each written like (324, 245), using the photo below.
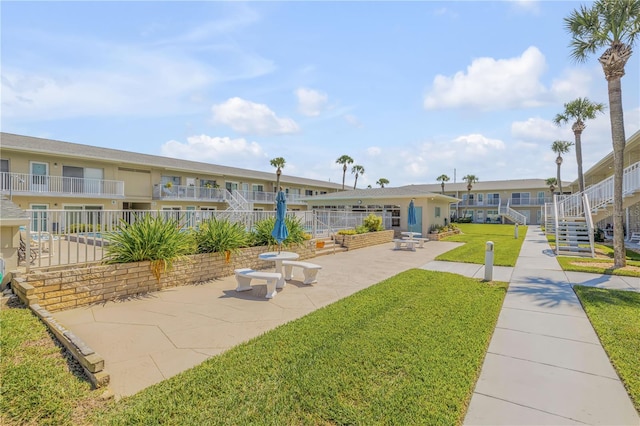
(38, 173)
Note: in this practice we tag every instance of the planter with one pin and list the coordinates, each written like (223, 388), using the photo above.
(351, 242)
(437, 236)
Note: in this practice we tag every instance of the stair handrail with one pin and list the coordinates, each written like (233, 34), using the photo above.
(329, 229)
(589, 221)
(516, 215)
(556, 223)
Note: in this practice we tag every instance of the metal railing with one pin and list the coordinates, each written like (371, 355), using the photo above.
(601, 194)
(194, 193)
(29, 184)
(589, 220)
(68, 237)
(512, 214)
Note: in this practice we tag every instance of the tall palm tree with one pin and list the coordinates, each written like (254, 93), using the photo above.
(560, 147)
(358, 171)
(443, 179)
(382, 182)
(279, 163)
(578, 111)
(344, 160)
(614, 25)
(470, 179)
(551, 183)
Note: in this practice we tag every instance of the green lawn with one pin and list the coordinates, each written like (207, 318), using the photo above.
(36, 384)
(615, 315)
(579, 264)
(405, 351)
(475, 237)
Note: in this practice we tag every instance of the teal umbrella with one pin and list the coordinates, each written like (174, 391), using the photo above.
(280, 231)
(411, 220)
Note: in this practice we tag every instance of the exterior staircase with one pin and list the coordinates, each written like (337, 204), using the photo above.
(571, 217)
(330, 247)
(573, 237)
(511, 214)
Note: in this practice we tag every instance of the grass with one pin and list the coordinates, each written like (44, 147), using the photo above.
(603, 264)
(506, 247)
(615, 315)
(37, 384)
(405, 351)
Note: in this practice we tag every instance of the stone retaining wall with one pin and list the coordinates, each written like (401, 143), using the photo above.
(441, 235)
(352, 242)
(59, 288)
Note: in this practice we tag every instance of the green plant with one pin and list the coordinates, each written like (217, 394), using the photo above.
(347, 232)
(373, 223)
(362, 229)
(221, 236)
(261, 234)
(151, 238)
(366, 359)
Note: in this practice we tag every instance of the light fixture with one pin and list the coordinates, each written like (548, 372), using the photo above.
(359, 201)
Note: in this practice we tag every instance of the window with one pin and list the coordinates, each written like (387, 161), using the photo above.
(437, 211)
(175, 180)
(308, 192)
(208, 183)
(492, 216)
(541, 197)
(480, 199)
(493, 199)
(520, 198)
(4, 176)
(257, 188)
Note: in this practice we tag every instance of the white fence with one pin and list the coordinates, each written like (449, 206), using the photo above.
(67, 237)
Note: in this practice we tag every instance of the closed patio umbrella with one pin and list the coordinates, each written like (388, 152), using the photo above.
(411, 220)
(280, 231)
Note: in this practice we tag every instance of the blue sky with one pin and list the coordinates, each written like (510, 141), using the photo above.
(409, 90)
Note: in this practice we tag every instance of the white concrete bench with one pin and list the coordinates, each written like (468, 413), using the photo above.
(420, 241)
(244, 277)
(310, 270)
(408, 244)
(635, 238)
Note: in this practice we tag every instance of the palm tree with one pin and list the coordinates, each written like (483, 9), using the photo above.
(614, 25)
(560, 147)
(578, 111)
(470, 179)
(358, 171)
(443, 179)
(344, 160)
(551, 183)
(279, 163)
(382, 182)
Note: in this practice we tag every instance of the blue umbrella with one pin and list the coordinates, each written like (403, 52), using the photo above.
(280, 231)
(411, 220)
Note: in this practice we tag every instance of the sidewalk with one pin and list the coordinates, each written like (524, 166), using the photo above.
(545, 364)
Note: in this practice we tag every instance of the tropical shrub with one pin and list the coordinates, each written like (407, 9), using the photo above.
(155, 239)
(347, 232)
(373, 223)
(221, 236)
(261, 234)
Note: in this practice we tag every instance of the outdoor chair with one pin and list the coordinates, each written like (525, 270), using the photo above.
(34, 251)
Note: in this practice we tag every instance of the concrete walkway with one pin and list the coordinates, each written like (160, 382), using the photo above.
(148, 339)
(545, 364)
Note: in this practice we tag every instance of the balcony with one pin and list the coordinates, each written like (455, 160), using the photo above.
(59, 186)
(198, 193)
(512, 201)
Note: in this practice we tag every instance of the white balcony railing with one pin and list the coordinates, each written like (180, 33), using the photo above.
(184, 192)
(28, 184)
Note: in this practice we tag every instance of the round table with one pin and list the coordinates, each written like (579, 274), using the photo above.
(278, 257)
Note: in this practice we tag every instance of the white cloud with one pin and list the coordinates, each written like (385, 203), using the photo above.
(478, 145)
(311, 102)
(526, 6)
(374, 151)
(492, 84)
(217, 150)
(536, 129)
(249, 117)
(352, 120)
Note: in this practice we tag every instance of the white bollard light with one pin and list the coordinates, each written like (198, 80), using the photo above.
(488, 261)
(515, 232)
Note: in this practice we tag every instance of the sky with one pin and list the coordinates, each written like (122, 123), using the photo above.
(410, 90)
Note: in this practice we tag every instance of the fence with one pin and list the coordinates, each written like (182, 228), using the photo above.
(68, 237)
